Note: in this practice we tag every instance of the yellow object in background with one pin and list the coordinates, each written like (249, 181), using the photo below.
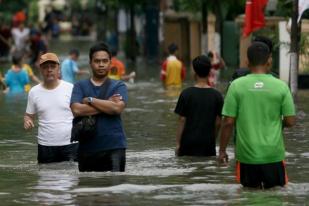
(29, 71)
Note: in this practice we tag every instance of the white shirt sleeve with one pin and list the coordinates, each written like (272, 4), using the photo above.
(31, 109)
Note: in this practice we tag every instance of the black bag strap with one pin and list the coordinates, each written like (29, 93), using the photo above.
(104, 89)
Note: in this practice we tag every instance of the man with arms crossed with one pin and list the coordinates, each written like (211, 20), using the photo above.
(105, 151)
(260, 105)
(50, 101)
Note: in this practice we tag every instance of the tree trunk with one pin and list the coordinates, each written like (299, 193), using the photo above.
(152, 29)
(218, 17)
(101, 16)
(133, 50)
(294, 51)
(204, 27)
(204, 17)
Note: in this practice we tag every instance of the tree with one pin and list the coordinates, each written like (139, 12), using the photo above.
(131, 6)
(9, 7)
(294, 50)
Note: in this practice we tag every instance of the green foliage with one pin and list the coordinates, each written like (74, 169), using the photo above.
(114, 4)
(228, 9)
(33, 13)
(185, 5)
(75, 5)
(9, 7)
(13, 5)
(284, 8)
(234, 8)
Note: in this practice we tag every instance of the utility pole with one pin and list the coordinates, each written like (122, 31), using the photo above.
(152, 9)
(204, 27)
(294, 50)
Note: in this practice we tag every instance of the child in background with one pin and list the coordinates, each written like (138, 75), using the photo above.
(31, 75)
(69, 67)
(117, 70)
(173, 70)
(16, 78)
(217, 63)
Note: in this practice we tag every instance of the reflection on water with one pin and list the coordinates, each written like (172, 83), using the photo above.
(55, 181)
(154, 176)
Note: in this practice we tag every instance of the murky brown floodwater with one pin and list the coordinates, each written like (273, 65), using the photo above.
(154, 176)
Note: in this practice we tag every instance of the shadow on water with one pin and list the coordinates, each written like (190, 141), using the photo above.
(154, 176)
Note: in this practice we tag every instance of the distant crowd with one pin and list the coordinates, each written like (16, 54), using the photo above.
(18, 34)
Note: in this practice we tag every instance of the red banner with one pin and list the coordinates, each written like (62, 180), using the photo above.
(254, 16)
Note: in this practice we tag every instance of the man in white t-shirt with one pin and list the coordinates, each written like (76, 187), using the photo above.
(21, 37)
(50, 102)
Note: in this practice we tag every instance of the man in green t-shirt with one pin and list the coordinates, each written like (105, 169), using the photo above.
(259, 105)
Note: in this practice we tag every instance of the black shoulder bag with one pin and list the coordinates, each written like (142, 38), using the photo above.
(84, 127)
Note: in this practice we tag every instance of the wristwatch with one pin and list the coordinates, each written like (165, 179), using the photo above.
(89, 100)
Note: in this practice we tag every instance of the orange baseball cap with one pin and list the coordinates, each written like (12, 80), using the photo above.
(48, 57)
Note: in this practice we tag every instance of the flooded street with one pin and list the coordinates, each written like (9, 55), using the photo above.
(154, 176)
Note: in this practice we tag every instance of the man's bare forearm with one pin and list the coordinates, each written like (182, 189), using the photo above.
(226, 133)
(180, 128)
(79, 109)
(217, 126)
(28, 121)
(108, 107)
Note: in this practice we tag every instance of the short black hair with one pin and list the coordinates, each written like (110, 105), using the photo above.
(17, 57)
(74, 51)
(265, 40)
(201, 65)
(172, 48)
(258, 54)
(101, 46)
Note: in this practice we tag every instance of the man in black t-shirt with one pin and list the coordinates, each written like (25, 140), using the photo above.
(199, 109)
